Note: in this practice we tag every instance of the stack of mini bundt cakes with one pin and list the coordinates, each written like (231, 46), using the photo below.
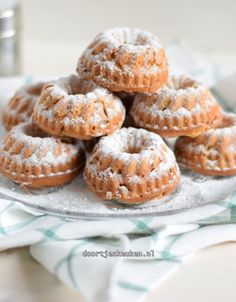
(120, 105)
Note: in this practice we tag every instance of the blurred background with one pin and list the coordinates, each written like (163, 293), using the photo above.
(54, 32)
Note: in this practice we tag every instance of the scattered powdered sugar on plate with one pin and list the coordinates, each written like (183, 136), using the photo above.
(76, 201)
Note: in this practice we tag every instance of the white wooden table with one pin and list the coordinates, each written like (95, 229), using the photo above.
(203, 277)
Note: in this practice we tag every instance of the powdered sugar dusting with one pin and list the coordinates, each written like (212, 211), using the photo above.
(118, 144)
(76, 201)
(182, 97)
(130, 39)
(45, 146)
(91, 105)
(26, 98)
(120, 42)
(121, 140)
(219, 155)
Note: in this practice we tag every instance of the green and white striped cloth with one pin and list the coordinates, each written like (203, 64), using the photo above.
(122, 259)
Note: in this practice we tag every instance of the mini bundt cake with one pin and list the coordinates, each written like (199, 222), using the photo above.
(131, 166)
(211, 153)
(30, 157)
(124, 59)
(182, 107)
(21, 105)
(76, 108)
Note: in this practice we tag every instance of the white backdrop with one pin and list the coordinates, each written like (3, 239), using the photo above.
(56, 31)
(206, 24)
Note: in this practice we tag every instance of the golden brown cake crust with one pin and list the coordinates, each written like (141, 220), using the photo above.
(20, 107)
(123, 59)
(211, 153)
(30, 157)
(131, 166)
(182, 107)
(77, 108)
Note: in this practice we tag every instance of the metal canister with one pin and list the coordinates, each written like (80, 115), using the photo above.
(10, 57)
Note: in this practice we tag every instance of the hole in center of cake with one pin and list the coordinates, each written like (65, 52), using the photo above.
(34, 131)
(226, 122)
(180, 84)
(134, 150)
(78, 86)
(136, 42)
(133, 39)
(36, 89)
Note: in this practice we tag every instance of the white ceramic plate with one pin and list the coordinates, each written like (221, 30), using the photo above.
(76, 201)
